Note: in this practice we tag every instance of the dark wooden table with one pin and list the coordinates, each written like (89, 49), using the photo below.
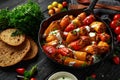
(105, 70)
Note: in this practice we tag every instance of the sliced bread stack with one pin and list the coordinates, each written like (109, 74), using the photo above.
(14, 49)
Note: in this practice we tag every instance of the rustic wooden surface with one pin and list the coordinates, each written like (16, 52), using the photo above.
(105, 70)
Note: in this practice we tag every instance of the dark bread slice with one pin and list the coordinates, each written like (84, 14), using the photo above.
(33, 50)
(10, 55)
(11, 40)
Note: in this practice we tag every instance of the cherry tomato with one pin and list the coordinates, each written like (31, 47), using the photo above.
(93, 75)
(117, 30)
(33, 79)
(118, 37)
(51, 12)
(114, 24)
(64, 3)
(20, 70)
(116, 60)
(89, 19)
(116, 17)
(57, 10)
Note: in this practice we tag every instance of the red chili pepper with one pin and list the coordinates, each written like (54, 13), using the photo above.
(116, 59)
(70, 27)
(50, 50)
(75, 45)
(89, 19)
(20, 70)
(63, 51)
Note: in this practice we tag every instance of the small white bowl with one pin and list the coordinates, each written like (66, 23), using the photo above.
(62, 75)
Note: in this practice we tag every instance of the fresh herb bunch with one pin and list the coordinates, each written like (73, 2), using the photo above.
(26, 17)
(3, 18)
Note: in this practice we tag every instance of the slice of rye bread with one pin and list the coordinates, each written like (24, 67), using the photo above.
(33, 50)
(10, 55)
(11, 40)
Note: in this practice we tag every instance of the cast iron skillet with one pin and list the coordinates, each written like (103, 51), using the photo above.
(75, 12)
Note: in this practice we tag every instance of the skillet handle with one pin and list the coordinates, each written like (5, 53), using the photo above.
(91, 6)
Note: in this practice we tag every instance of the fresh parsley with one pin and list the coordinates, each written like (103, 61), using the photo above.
(25, 17)
(3, 18)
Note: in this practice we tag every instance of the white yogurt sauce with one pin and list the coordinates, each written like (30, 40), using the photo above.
(62, 75)
(57, 34)
(71, 63)
(92, 34)
(87, 28)
(63, 78)
(60, 46)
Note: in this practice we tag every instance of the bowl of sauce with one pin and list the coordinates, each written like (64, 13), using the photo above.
(62, 75)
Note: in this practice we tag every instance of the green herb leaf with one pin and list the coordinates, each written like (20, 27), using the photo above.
(89, 78)
(85, 64)
(16, 33)
(33, 70)
(26, 74)
(63, 9)
(4, 19)
(74, 32)
(26, 17)
(26, 78)
(30, 73)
